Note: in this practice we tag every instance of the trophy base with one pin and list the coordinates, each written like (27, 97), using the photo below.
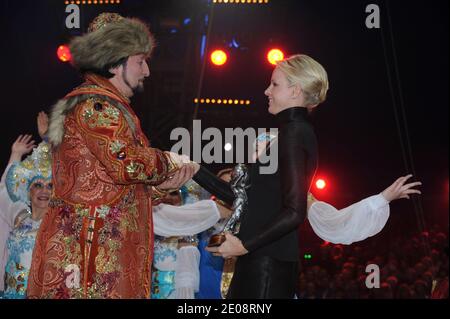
(216, 240)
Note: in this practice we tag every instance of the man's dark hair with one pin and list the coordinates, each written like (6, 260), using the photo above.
(105, 71)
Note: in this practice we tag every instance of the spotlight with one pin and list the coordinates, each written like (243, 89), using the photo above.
(219, 57)
(63, 53)
(321, 184)
(274, 56)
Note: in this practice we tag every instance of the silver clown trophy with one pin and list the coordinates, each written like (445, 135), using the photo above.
(239, 184)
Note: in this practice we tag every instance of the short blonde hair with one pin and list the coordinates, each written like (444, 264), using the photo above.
(312, 77)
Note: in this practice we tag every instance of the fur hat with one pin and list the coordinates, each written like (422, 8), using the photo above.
(110, 39)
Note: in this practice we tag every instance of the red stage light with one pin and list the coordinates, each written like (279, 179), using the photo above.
(63, 53)
(219, 57)
(320, 184)
(274, 56)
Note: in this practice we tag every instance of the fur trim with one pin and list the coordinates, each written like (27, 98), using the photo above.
(106, 46)
(58, 114)
(64, 107)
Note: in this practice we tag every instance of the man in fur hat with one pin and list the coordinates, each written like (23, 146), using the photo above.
(97, 239)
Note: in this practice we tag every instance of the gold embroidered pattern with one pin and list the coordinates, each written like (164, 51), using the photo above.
(116, 146)
(88, 114)
(129, 223)
(132, 168)
(102, 211)
(107, 263)
(113, 113)
(81, 211)
(96, 115)
(136, 170)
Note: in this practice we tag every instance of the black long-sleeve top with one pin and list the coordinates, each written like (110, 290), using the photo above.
(277, 203)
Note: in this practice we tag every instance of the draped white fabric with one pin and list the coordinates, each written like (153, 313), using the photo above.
(354, 223)
(187, 273)
(186, 220)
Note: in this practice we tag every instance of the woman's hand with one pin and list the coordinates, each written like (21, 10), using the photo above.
(399, 190)
(23, 145)
(231, 247)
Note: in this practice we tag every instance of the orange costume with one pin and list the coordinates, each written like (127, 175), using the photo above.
(97, 239)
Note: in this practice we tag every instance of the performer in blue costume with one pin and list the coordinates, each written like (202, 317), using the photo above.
(176, 260)
(24, 195)
(215, 272)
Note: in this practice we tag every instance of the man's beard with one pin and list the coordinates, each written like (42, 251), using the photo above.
(139, 88)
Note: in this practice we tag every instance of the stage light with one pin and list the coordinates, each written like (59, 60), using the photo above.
(240, 1)
(274, 56)
(211, 100)
(219, 57)
(321, 184)
(91, 2)
(63, 53)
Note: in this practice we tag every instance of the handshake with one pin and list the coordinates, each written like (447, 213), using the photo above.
(182, 169)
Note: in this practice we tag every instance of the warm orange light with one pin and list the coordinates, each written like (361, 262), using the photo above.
(274, 56)
(63, 53)
(219, 57)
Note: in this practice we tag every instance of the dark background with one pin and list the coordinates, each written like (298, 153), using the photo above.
(388, 86)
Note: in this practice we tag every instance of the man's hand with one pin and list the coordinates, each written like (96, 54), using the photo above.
(179, 178)
(231, 247)
(178, 160)
(42, 123)
(399, 190)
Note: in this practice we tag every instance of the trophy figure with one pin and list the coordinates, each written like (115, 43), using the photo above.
(239, 184)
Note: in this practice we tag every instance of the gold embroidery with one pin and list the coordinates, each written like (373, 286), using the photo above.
(129, 223)
(102, 211)
(132, 168)
(142, 177)
(116, 146)
(82, 212)
(98, 117)
(113, 113)
(136, 170)
(88, 114)
(106, 264)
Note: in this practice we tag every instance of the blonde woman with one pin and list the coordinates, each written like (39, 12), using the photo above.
(267, 246)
